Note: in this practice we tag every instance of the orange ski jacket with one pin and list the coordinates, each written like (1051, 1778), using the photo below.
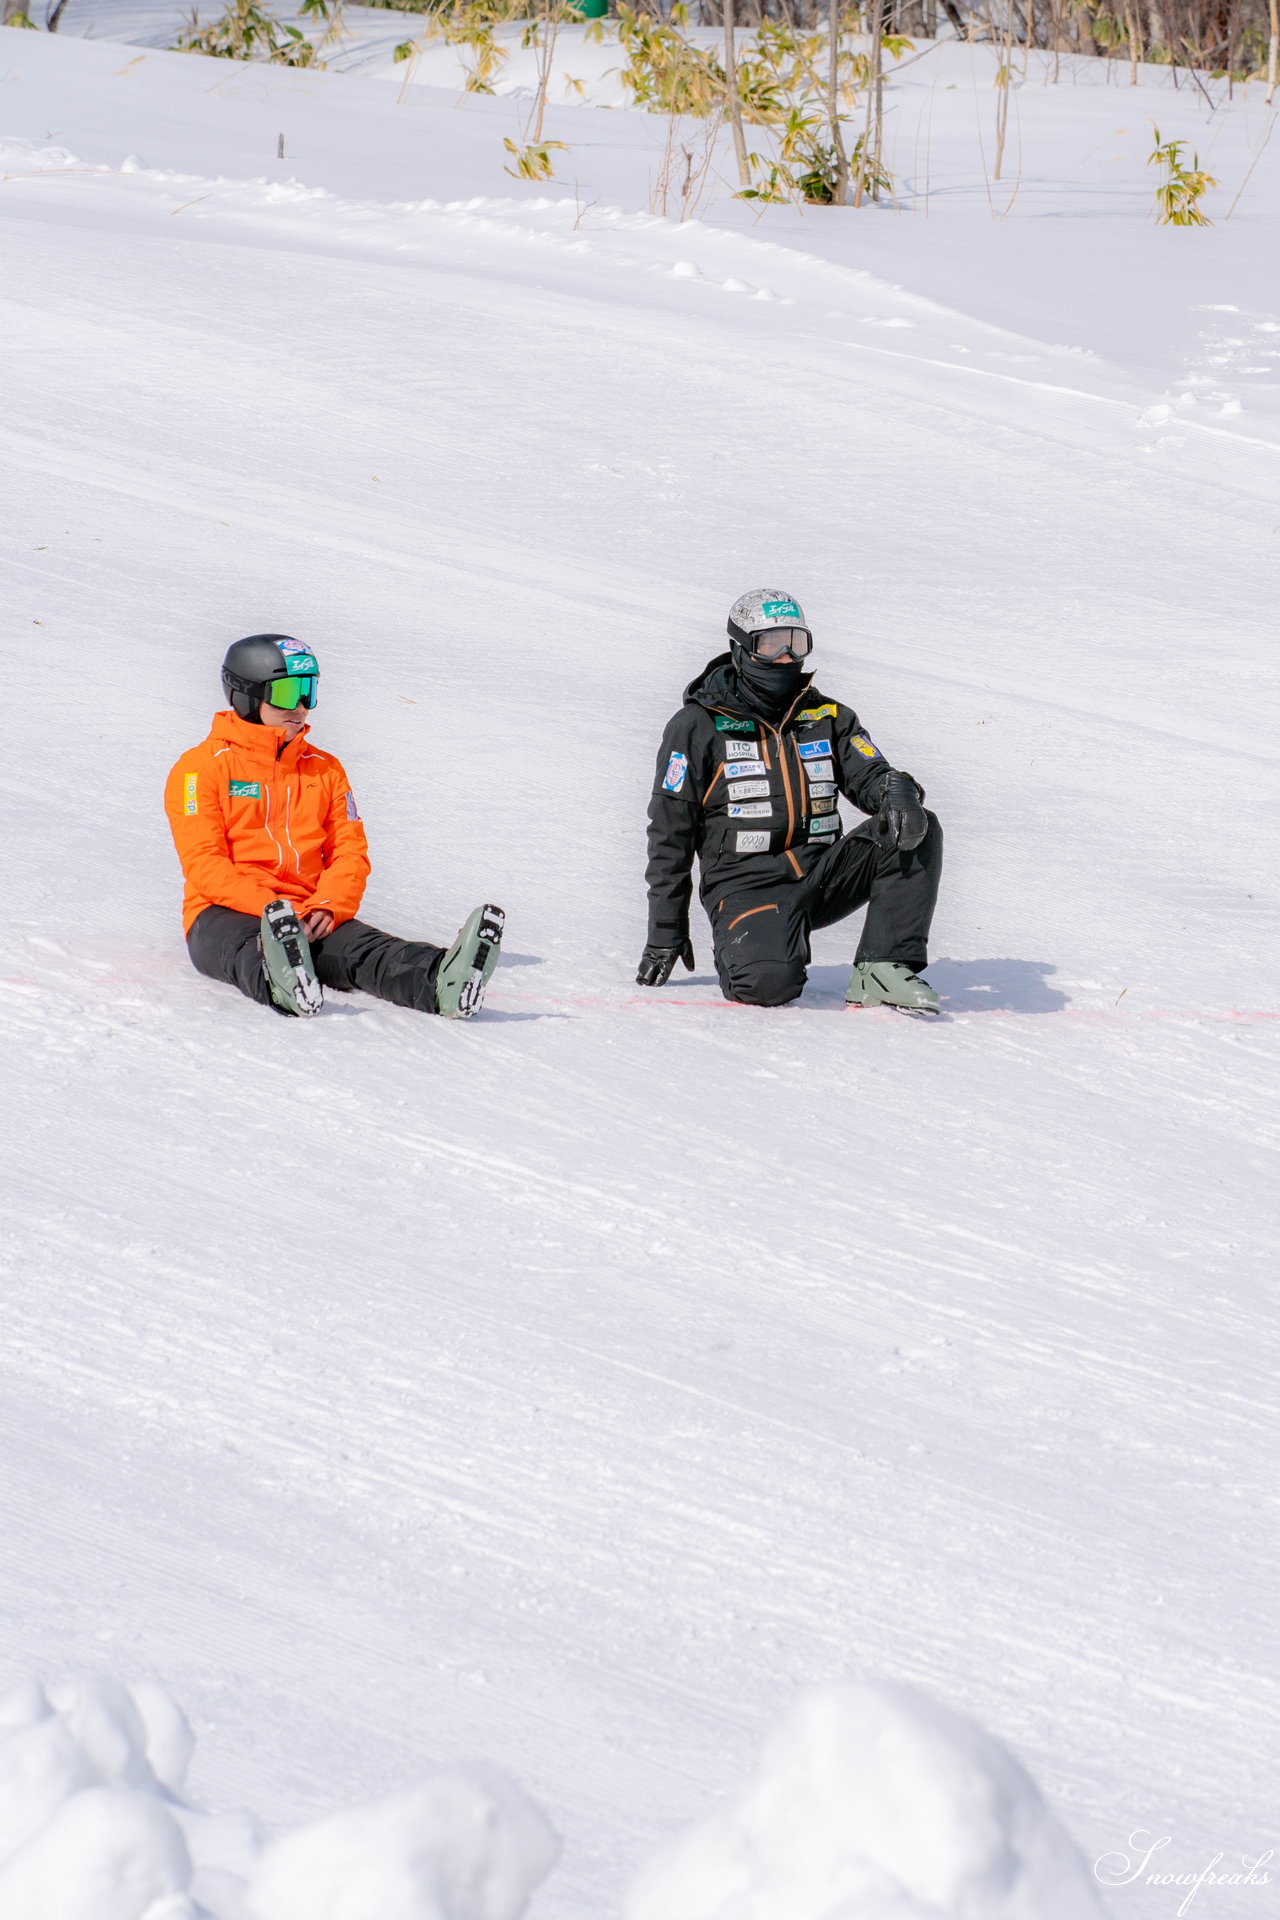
(256, 819)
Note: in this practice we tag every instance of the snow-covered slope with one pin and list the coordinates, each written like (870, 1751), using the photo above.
(568, 1387)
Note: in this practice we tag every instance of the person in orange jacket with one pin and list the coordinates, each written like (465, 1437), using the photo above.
(275, 859)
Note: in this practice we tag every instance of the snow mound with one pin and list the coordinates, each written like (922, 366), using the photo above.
(92, 1827)
(872, 1802)
(466, 1846)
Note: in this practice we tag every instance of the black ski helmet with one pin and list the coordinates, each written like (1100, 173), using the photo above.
(253, 663)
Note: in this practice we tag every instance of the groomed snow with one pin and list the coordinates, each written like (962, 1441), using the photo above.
(572, 1386)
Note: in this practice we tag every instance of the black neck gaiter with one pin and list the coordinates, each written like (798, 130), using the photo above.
(768, 688)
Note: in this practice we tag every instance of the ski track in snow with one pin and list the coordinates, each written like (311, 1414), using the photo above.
(567, 1386)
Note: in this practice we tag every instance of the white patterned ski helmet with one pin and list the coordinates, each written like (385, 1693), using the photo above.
(757, 612)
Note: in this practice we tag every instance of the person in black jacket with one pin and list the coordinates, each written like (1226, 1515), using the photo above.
(748, 779)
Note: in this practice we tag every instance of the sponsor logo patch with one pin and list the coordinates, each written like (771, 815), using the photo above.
(815, 749)
(821, 789)
(245, 790)
(780, 610)
(812, 715)
(673, 779)
(753, 842)
(353, 811)
(301, 663)
(741, 750)
(748, 790)
(867, 748)
(754, 810)
(819, 770)
(824, 806)
(725, 723)
(828, 825)
(189, 802)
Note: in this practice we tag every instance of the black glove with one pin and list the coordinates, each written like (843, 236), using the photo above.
(656, 964)
(902, 822)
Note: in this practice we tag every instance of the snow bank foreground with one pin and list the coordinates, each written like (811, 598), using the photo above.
(872, 1802)
(93, 1827)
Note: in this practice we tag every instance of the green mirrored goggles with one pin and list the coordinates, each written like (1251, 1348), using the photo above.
(294, 690)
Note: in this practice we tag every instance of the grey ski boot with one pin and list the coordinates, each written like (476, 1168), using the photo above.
(886, 983)
(286, 961)
(464, 972)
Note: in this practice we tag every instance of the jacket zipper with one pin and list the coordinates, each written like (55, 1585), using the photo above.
(786, 782)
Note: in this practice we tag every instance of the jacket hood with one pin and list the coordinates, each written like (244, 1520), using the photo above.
(718, 688)
(260, 743)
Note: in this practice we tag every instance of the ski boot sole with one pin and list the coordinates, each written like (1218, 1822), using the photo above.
(286, 961)
(466, 969)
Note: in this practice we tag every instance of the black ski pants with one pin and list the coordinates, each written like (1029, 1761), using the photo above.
(224, 945)
(761, 934)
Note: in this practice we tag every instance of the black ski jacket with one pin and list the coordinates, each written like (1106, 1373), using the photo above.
(756, 802)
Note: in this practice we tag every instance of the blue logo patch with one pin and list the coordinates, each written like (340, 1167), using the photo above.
(815, 749)
(677, 767)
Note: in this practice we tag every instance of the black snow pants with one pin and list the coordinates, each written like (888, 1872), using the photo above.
(224, 945)
(761, 934)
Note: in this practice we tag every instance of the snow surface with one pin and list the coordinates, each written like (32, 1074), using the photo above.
(569, 1386)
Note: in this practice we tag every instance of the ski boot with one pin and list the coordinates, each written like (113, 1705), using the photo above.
(286, 962)
(886, 983)
(464, 972)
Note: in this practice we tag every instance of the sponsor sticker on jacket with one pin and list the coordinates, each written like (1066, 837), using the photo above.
(819, 770)
(747, 789)
(673, 779)
(725, 723)
(816, 749)
(821, 789)
(742, 750)
(753, 841)
(823, 806)
(754, 810)
(353, 811)
(867, 748)
(245, 789)
(812, 715)
(827, 825)
(189, 801)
